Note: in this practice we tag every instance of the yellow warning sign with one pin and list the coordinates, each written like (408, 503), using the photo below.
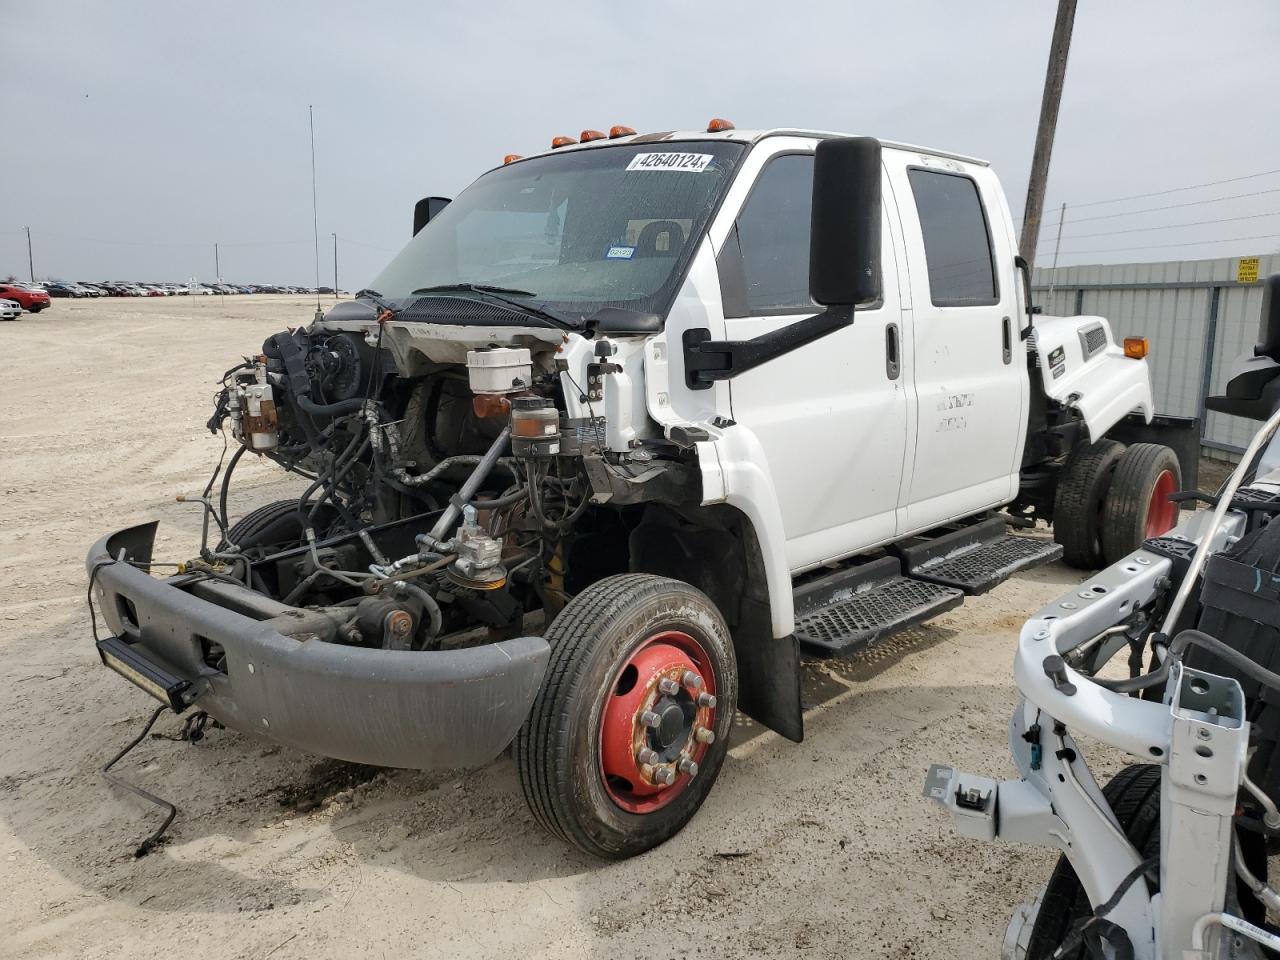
(1247, 270)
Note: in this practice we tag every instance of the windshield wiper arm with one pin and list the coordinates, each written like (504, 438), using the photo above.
(475, 288)
(497, 293)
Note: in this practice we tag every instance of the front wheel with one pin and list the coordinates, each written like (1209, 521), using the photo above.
(629, 731)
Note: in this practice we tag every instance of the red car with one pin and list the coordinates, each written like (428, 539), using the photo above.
(33, 300)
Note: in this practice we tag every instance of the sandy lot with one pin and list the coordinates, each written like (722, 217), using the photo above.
(823, 849)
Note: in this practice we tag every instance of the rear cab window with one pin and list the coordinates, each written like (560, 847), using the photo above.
(957, 238)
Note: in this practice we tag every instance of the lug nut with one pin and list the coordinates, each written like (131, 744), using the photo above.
(691, 680)
(706, 700)
(647, 756)
(650, 719)
(664, 776)
(668, 686)
(685, 765)
(703, 735)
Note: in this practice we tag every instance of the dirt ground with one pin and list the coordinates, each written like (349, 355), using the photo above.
(822, 849)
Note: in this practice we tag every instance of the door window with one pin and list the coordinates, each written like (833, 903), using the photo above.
(957, 243)
(764, 267)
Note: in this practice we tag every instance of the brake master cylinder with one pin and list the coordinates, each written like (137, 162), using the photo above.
(252, 406)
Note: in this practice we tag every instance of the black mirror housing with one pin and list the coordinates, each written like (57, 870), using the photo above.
(844, 239)
(425, 209)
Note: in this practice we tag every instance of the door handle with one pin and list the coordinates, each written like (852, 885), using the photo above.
(1007, 338)
(892, 362)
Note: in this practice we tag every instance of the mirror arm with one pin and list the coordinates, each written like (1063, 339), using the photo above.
(707, 360)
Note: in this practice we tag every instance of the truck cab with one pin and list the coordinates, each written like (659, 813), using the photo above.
(699, 401)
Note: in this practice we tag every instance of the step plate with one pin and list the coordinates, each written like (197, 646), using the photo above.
(983, 566)
(863, 617)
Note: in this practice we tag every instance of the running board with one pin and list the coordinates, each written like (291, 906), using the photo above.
(974, 558)
(853, 608)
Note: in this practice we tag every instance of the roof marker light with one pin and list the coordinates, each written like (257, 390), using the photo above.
(512, 158)
(557, 142)
(588, 135)
(619, 130)
(1135, 348)
(719, 126)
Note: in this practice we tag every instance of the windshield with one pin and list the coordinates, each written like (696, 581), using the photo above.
(612, 226)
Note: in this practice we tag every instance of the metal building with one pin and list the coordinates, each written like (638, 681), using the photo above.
(1199, 315)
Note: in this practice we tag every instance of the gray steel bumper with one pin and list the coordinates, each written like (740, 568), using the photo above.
(393, 708)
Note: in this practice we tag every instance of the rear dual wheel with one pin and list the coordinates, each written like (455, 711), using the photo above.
(1110, 498)
(630, 729)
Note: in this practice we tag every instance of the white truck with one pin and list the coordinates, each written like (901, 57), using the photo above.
(619, 433)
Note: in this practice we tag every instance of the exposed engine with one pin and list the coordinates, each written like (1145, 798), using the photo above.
(437, 505)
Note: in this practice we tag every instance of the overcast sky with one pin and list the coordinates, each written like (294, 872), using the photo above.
(137, 133)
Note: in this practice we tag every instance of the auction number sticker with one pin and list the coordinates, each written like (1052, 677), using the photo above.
(679, 162)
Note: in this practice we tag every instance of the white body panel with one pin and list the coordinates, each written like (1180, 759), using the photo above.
(1105, 388)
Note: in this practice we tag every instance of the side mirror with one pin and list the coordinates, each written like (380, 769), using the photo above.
(1269, 328)
(844, 238)
(425, 209)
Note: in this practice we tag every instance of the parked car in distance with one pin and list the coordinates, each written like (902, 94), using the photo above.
(10, 310)
(33, 300)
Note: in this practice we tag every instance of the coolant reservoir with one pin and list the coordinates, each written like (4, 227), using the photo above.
(500, 369)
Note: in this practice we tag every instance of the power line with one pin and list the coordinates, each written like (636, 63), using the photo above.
(1161, 246)
(1168, 206)
(1173, 226)
(1161, 193)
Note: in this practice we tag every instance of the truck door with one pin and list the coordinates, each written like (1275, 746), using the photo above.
(831, 416)
(969, 376)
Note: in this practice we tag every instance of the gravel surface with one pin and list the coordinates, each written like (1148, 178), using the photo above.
(822, 849)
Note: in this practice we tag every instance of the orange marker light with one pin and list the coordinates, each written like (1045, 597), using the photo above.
(719, 126)
(512, 158)
(558, 142)
(1135, 348)
(588, 135)
(618, 130)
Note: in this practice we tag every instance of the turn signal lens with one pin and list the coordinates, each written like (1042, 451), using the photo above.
(512, 158)
(561, 142)
(588, 135)
(717, 125)
(618, 130)
(1135, 348)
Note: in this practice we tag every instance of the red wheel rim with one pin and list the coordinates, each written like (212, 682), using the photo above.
(1162, 513)
(658, 722)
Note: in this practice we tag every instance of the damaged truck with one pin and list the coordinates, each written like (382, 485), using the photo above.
(623, 431)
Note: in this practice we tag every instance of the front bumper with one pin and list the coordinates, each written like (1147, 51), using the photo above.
(393, 708)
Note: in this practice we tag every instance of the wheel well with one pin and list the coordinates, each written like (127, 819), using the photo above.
(716, 550)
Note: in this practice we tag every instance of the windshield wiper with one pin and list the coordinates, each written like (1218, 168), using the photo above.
(475, 288)
(497, 293)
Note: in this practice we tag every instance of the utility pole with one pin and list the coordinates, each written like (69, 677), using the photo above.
(217, 267)
(335, 266)
(1057, 245)
(31, 265)
(1053, 78)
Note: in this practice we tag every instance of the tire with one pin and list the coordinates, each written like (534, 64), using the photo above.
(1137, 504)
(276, 514)
(36, 308)
(1134, 795)
(577, 752)
(1078, 502)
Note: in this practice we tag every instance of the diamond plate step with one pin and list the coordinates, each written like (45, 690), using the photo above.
(853, 608)
(976, 558)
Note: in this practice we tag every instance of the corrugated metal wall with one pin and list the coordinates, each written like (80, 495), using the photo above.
(1197, 315)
